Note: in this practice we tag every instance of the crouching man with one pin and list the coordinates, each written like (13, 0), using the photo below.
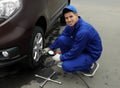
(80, 44)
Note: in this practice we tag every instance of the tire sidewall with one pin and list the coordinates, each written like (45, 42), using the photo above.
(32, 62)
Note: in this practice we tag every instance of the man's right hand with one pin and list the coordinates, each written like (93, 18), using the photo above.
(56, 57)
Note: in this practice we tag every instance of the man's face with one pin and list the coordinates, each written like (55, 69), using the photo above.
(71, 18)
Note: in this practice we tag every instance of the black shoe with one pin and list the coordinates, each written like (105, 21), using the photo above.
(92, 71)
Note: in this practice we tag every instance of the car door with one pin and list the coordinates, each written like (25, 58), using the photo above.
(55, 7)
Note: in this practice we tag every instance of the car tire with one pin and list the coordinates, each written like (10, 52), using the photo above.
(36, 46)
(62, 20)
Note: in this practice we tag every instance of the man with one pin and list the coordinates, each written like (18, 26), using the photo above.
(80, 44)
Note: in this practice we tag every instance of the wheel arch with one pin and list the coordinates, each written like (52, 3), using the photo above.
(41, 22)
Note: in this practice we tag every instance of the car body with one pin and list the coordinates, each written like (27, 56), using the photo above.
(23, 25)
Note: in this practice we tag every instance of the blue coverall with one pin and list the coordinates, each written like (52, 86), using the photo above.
(80, 45)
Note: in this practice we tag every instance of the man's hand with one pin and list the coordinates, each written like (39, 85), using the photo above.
(46, 49)
(56, 57)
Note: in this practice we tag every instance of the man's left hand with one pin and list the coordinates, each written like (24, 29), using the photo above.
(56, 57)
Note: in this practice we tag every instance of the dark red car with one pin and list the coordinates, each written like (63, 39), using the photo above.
(23, 25)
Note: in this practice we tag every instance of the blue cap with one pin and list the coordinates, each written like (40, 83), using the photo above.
(72, 8)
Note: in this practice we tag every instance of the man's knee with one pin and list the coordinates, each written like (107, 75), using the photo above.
(62, 38)
(66, 41)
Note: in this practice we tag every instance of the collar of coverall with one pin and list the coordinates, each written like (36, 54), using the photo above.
(78, 24)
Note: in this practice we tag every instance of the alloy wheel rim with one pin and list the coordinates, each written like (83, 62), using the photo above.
(37, 47)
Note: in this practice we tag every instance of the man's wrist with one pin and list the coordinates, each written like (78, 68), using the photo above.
(61, 57)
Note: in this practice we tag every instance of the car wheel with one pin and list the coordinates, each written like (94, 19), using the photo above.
(62, 20)
(36, 46)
